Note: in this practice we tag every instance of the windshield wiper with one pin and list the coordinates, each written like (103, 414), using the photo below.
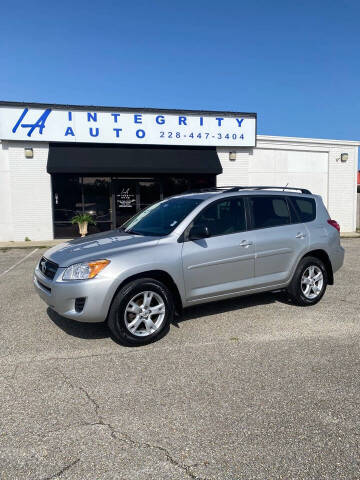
(132, 232)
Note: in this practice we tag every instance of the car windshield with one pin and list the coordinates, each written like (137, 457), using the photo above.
(161, 218)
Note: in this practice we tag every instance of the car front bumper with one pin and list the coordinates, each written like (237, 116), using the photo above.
(61, 296)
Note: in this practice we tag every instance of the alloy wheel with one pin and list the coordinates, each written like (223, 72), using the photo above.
(144, 313)
(312, 282)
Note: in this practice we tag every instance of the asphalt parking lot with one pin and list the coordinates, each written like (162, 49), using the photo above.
(252, 388)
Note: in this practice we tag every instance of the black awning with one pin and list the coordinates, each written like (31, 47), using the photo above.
(103, 158)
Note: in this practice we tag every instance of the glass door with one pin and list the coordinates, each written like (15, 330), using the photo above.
(125, 197)
(132, 195)
(97, 202)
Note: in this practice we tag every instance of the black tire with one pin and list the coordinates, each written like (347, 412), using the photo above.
(295, 288)
(116, 318)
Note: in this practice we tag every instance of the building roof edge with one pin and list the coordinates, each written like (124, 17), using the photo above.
(55, 106)
(319, 141)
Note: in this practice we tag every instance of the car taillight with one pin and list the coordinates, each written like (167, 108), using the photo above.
(334, 224)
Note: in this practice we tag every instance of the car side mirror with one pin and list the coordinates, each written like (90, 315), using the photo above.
(197, 232)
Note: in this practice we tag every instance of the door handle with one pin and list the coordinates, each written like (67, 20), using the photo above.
(245, 243)
(300, 235)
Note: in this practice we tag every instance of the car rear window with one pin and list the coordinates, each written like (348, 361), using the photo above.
(305, 207)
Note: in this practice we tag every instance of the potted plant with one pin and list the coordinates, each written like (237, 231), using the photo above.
(83, 220)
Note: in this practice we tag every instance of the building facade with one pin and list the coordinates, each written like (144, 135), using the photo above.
(59, 160)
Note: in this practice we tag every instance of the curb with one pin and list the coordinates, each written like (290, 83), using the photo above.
(23, 247)
(27, 245)
(350, 235)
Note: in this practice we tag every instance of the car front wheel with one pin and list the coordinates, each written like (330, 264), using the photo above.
(309, 282)
(141, 312)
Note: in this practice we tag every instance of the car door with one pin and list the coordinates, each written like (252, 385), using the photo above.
(223, 263)
(280, 239)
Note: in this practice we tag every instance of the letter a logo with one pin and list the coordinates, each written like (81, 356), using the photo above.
(40, 123)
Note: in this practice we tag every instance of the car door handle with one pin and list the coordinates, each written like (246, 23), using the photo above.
(245, 243)
(300, 235)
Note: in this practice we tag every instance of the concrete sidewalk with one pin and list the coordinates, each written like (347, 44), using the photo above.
(350, 235)
(33, 244)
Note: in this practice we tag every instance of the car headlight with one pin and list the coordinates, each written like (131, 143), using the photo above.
(85, 270)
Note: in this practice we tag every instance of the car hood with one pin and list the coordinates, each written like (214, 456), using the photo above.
(95, 247)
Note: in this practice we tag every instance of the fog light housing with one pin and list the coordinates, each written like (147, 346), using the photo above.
(80, 304)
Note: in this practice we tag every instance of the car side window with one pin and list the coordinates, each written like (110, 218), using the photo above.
(269, 211)
(305, 207)
(224, 217)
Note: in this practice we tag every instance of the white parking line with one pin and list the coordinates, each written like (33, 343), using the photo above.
(17, 263)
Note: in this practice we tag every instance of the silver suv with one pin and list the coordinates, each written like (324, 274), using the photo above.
(189, 249)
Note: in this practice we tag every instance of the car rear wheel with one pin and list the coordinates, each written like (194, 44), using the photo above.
(309, 282)
(141, 312)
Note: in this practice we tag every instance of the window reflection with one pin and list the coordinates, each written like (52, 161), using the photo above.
(173, 185)
(67, 197)
(149, 192)
(97, 197)
(73, 194)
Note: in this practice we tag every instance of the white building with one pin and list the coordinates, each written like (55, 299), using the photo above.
(57, 160)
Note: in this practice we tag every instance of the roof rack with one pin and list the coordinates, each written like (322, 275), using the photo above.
(264, 187)
(209, 189)
(233, 188)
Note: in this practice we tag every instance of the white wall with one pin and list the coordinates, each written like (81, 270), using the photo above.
(6, 220)
(308, 163)
(25, 186)
(293, 167)
(28, 193)
(342, 187)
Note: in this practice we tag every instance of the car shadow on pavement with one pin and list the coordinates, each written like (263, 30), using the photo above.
(93, 331)
(88, 331)
(231, 304)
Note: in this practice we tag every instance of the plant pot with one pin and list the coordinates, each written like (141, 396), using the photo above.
(83, 228)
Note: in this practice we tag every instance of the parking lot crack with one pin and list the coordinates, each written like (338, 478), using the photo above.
(186, 468)
(83, 390)
(63, 470)
(124, 437)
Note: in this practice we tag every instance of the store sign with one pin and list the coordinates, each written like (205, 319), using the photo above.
(55, 125)
(125, 199)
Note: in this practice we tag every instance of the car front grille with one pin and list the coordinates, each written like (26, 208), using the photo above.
(48, 268)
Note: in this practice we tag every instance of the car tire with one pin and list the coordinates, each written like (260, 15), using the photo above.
(141, 312)
(309, 282)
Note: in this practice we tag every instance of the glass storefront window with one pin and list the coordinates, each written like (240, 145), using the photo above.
(99, 227)
(95, 195)
(125, 199)
(176, 184)
(65, 230)
(149, 192)
(202, 181)
(67, 197)
(173, 185)
(97, 198)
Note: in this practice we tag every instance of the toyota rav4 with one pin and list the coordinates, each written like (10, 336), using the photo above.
(190, 249)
